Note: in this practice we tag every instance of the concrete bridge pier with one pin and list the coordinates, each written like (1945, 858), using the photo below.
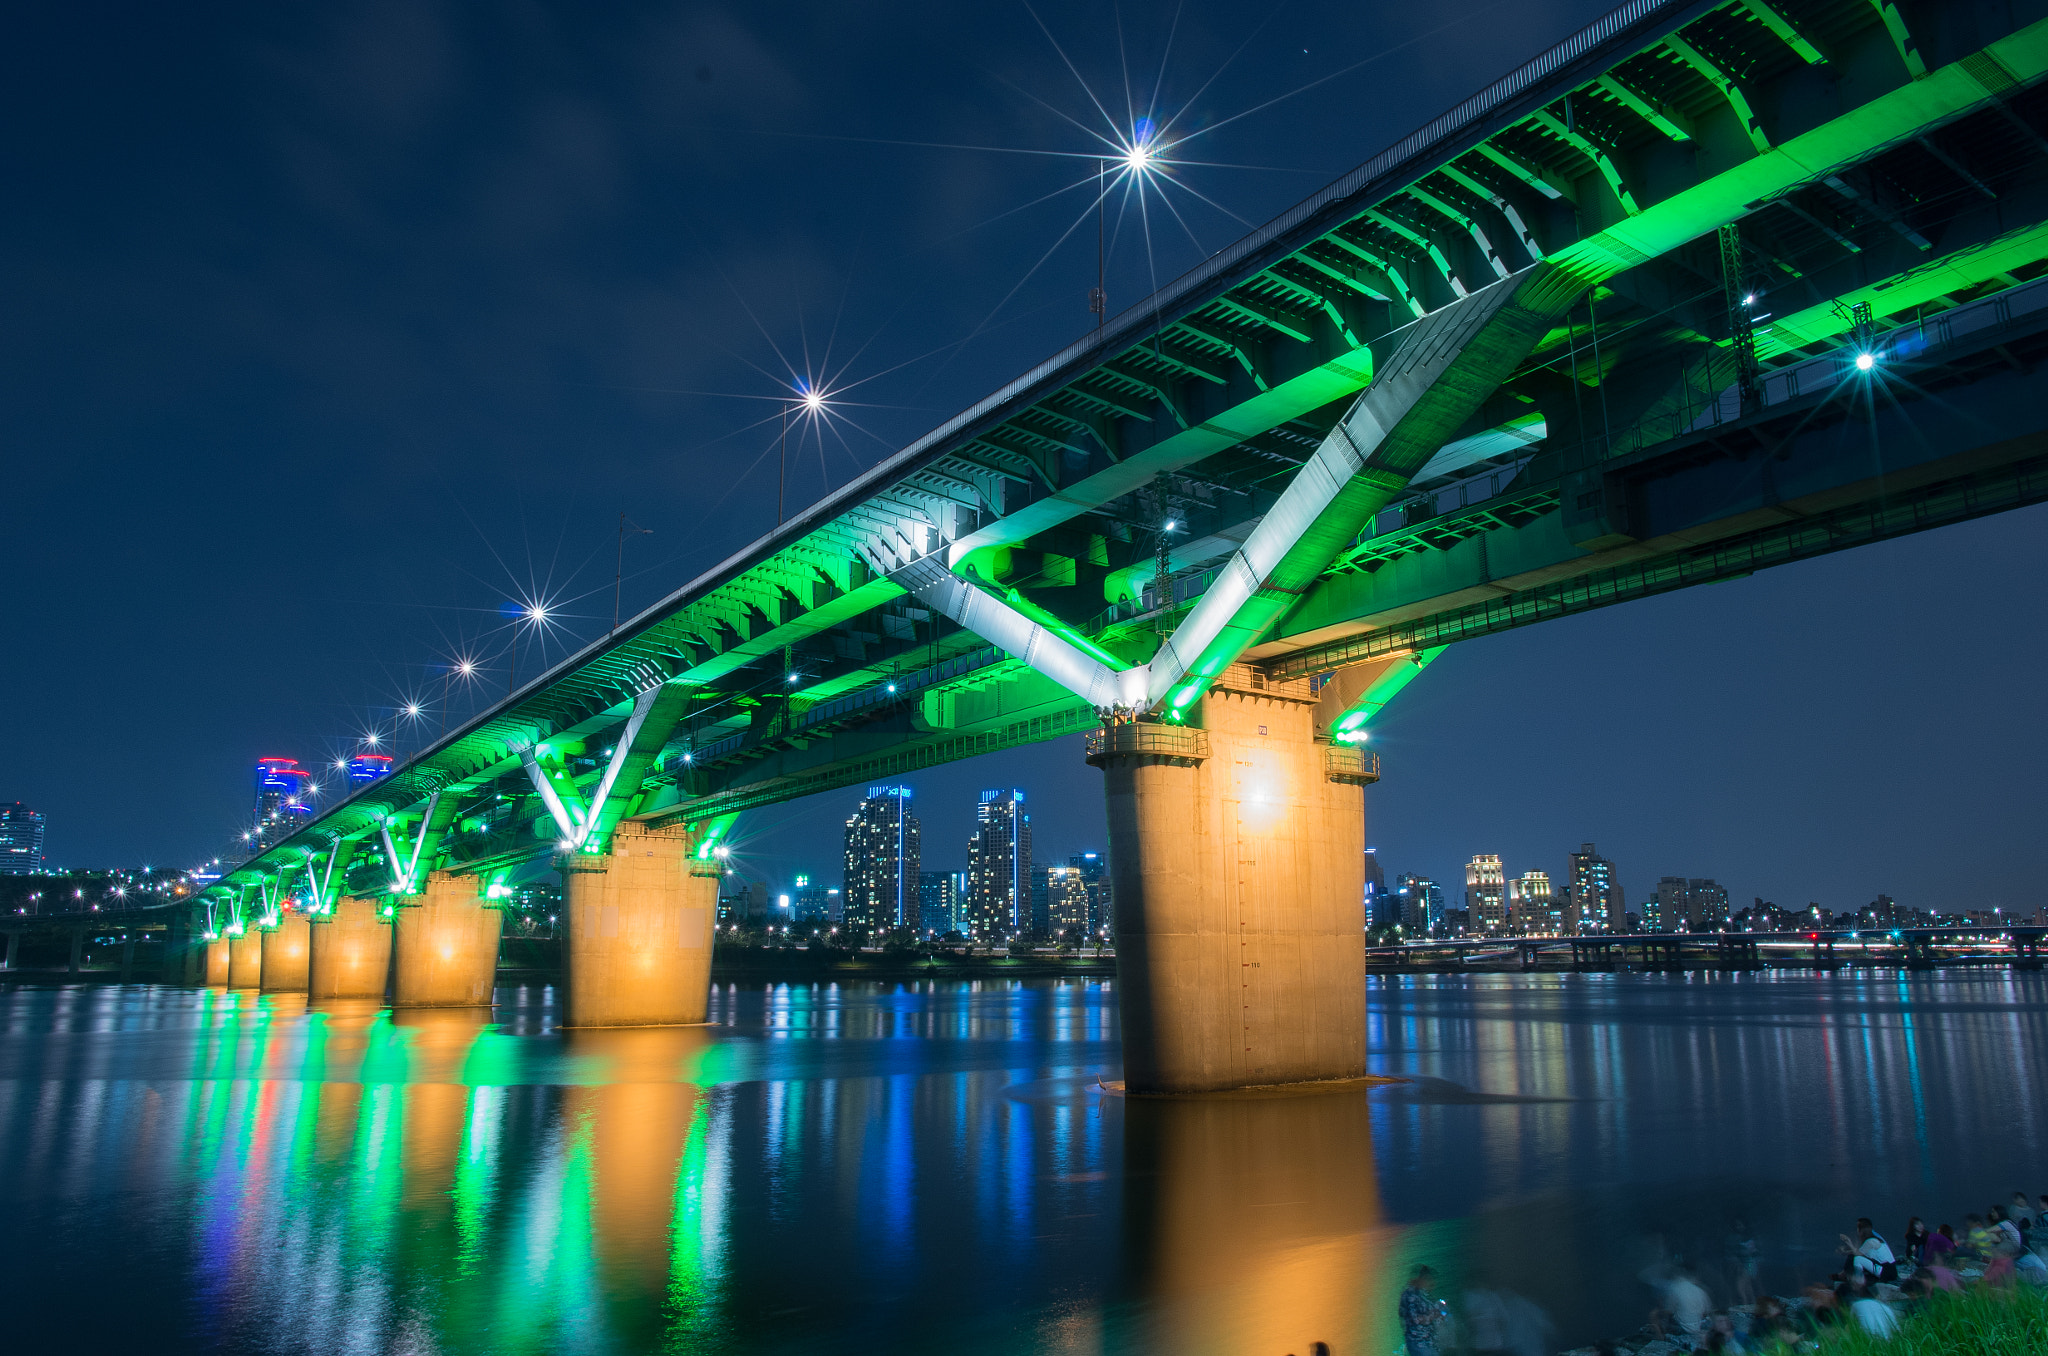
(217, 962)
(349, 951)
(245, 960)
(287, 955)
(640, 919)
(445, 946)
(1238, 863)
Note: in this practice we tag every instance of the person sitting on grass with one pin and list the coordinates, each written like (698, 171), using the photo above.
(1870, 1313)
(1999, 1271)
(2005, 1235)
(1870, 1254)
(1681, 1317)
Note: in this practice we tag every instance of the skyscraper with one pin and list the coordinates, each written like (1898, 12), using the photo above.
(936, 901)
(1094, 869)
(1593, 893)
(882, 859)
(1536, 911)
(1682, 905)
(1708, 905)
(815, 903)
(1420, 903)
(1486, 893)
(999, 866)
(21, 840)
(365, 768)
(283, 806)
(1066, 900)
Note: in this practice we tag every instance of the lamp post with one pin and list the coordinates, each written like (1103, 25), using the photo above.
(812, 401)
(619, 573)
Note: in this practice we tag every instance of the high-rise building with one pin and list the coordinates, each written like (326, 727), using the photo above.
(815, 903)
(365, 768)
(1387, 907)
(1094, 869)
(1420, 902)
(1593, 895)
(1066, 900)
(882, 860)
(1686, 905)
(936, 901)
(1664, 909)
(1535, 909)
(1375, 889)
(742, 902)
(284, 802)
(21, 840)
(1486, 893)
(999, 866)
(1708, 905)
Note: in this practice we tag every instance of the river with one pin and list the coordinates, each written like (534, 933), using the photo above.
(936, 1168)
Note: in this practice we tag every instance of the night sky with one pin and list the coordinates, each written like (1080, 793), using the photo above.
(330, 330)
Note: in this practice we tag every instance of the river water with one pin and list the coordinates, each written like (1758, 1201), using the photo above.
(935, 1168)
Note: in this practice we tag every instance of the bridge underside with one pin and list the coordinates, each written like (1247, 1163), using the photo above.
(1940, 431)
(1776, 271)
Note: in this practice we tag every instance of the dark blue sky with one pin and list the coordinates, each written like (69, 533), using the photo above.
(330, 329)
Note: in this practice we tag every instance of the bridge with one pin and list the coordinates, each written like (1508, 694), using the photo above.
(1914, 948)
(1707, 288)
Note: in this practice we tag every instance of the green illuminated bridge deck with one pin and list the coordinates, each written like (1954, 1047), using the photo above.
(1743, 199)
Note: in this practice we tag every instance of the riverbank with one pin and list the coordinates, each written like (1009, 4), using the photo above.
(1981, 1322)
(1987, 1302)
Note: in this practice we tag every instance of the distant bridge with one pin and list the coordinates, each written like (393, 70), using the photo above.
(1707, 288)
(1820, 948)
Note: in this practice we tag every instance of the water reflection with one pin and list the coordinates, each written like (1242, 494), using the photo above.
(1254, 1223)
(933, 1167)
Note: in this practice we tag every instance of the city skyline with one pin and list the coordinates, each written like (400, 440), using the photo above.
(786, 872)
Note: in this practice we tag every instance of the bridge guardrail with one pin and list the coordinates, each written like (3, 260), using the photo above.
(1350, 764)
(1175, 743)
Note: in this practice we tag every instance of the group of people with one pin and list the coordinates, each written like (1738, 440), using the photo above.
(2007, 1245)
(2003, 1246)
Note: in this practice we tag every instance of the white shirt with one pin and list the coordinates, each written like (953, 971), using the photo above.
(1688, 1304)
(1874, 1318)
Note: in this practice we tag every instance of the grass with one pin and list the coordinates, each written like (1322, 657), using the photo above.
(1977, 1322)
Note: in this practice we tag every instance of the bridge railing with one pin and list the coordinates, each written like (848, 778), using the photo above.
(1351, 764)
(1176, 743)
